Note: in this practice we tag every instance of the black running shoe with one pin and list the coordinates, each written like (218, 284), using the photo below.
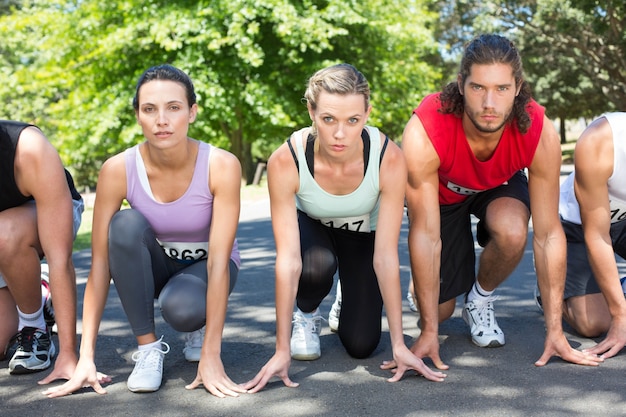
(34, 351)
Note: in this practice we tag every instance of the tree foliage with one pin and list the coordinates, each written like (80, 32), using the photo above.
(72, 66)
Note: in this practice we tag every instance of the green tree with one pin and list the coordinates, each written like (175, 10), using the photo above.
(72, 66)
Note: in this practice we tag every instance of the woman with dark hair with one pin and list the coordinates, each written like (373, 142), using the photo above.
(176, 243)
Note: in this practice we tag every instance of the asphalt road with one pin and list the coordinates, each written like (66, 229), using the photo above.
(480, 382)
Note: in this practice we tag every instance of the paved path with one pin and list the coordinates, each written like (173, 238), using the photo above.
(481, 382)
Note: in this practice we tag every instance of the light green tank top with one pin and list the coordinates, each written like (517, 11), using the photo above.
(357, 211)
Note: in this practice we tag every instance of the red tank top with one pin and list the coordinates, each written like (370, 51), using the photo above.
(461, 174)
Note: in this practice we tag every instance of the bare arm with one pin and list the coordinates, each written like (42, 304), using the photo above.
(386, 263)
(594, 165)
(225, 185)
(549, 244)
(40, 173)
(283, 184)
(422, 196)
(548, 236)
(109, 196)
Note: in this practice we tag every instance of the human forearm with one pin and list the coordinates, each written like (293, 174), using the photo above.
(550, 268)
(388, 273)
(287, 278)
(63, 288)
(216, 307)
(425, 265)
(94, 301)
(602, 260)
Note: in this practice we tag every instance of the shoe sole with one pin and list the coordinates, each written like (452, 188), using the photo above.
(21, 370)
(306, 357)
(491, 344)
(139, 390)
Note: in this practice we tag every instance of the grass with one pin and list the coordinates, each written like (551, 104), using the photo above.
(567, 152)
(83, 237)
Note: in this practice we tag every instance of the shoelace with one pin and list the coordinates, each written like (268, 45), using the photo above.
(26, 339)
(304, 327)
(484, 311)
(150, 359)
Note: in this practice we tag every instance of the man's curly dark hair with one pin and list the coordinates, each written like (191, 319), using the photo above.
(485, 50)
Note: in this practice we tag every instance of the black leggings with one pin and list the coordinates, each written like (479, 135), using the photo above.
(142, 272)
(326, 250)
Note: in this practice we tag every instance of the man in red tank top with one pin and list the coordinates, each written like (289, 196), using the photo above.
(467, 149)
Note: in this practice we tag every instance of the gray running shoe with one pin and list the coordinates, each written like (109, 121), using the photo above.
(34, 351)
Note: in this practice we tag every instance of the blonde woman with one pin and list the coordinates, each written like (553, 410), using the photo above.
(337, 197)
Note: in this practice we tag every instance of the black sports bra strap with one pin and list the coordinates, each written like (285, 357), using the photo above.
(382, 151)
(366, 149)
(293, 153)
(309, 153)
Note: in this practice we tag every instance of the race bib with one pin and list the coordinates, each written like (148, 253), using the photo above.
(186, 251)
(353, 224)
(463, 190)
(618, 210)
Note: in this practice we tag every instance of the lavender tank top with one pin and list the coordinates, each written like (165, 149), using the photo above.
(182, 226)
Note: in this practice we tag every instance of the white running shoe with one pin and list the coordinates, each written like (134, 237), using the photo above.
(305, 336)
(411, 300)
(33, 351)
(148, 371)
(335, 310)
(481, 319)
(193, 345)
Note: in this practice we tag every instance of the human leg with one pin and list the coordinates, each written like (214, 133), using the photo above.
(140, 269)
(506, 223)
(504, 213)
(361, 305)
(319, 263)
(458, 258)
(502, 231)
(318, 268)
(20, 252)
(585, 308)
(183, 298)
(183, 304)
(8, 324)
(31, 348)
